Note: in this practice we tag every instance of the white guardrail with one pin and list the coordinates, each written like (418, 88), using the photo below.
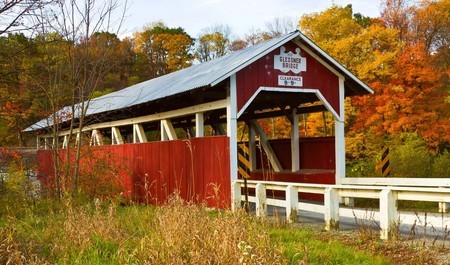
(387, 191)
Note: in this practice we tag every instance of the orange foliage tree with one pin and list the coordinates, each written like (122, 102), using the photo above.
(412, 100)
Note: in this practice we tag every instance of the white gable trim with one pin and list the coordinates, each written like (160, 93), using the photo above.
(293, 90)
(312, 54)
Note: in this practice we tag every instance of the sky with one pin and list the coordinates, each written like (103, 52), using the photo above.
(241, 15)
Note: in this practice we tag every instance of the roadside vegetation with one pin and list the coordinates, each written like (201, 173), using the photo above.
(83, 229)
(70, 232)
(92, 231)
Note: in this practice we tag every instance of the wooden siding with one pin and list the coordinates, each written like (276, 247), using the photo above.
(150, 172)
(262, 74)
(317, 164)
(315, 153)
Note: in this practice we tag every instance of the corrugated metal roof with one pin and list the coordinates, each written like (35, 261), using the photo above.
(196, 76)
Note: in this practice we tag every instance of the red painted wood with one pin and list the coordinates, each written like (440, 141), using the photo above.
(315, 153)
(262, 73)
(317, 164)
(45, 166)
(153, 171)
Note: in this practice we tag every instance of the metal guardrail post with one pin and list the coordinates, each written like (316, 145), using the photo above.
(331, 203)
(235, 196)
(291, 203)
(388, 213)
(261, 203)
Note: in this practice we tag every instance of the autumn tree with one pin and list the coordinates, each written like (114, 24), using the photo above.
(162, 50)
(213, 42)
(397, 14)
(17, 101)
(255, 36)
(412, 101)
(76, 59)
(413, 97)
(367, 49)
(120, 61)
(237, 45)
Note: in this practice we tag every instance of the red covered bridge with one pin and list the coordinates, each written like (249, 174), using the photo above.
(180, 131)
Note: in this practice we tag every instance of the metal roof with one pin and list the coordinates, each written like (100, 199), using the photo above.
(201, 75)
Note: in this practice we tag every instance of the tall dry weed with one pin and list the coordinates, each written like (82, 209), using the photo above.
(82, 224)
(184, 233)
(178, 232)
(16, 251)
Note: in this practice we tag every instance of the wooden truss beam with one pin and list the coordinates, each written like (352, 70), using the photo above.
(139, 134)
(271, 156)
(167, 131)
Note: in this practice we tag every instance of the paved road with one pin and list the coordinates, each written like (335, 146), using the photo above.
(412, 225)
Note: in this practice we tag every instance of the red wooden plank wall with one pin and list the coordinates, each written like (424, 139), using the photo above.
(315, 153)
(198, 168)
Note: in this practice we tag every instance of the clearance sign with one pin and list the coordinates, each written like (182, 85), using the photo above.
(290, 62)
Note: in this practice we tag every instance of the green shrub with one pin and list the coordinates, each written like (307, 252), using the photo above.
(441, 166)
(16, 191)
(364, 167)
(409, 158)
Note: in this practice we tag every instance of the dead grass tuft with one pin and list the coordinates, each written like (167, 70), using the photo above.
(183, 233)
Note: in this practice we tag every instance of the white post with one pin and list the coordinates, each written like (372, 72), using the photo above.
(331, 203)
(295, 142)
(232, 128)
(443, 207)
(46, 144)
(116, 136)
(167, 130)
(135, 136)
(261, 205)
(291, 203)
(92, 140)
(65, 142)
(163, 132)
(388, 213)
(96, 138)
(199, 129)
(139, 134)
(55, 142)
(235, 196)
(79, 139)
(339, 136)
(349, 202)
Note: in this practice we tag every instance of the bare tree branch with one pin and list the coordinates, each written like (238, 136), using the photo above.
(17, 15)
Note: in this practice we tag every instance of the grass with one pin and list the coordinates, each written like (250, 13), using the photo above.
(71, 232)
(105, 233)
(306, 246)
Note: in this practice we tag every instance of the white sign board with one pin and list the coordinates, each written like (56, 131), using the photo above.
(287, 80)
(288, 61)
